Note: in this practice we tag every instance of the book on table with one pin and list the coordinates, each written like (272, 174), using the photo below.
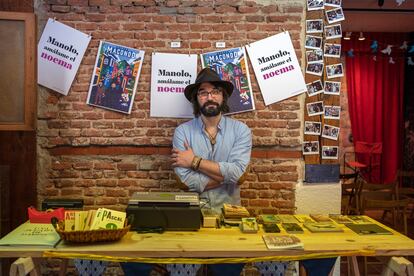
(368, 229)
(319, 227)
(280, 242)
(32, 234)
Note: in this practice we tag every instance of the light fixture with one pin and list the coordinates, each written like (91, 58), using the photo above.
(361, 36)
(348, 36)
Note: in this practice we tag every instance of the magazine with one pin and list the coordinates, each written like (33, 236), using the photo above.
(32, 234)
(279, 242)
(318, 227)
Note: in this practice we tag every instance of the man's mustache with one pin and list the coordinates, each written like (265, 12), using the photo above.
(210, 103)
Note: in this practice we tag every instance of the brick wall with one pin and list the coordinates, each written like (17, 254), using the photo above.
(104, 156)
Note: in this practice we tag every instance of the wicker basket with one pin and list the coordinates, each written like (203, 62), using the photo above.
(90, 235)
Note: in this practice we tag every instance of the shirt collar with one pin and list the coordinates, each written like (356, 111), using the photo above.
(220, 125)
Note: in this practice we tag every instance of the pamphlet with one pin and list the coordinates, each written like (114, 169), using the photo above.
(279, 242)
(318, 227)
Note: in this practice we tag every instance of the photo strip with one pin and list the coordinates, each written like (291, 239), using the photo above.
(330, 132)
(330, 152)
(332, 50)
(315, 5)
(310, 147)
(313, 42)
(333, 31)
(335, 15)
(313, 128)
(314, 88)
(332, 112)
(314, 56)
(314, 26)
(332, 88)
(333, 3)
(334, 71)
(315, 108)
(315, 69)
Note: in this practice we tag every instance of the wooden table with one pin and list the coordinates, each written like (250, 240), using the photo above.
(208, 245)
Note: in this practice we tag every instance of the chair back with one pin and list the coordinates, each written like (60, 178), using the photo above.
(368, 148)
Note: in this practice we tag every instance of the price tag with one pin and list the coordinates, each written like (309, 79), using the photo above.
(175, 44)
(220, 44)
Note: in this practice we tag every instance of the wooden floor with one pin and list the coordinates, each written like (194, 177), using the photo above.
(375, 269)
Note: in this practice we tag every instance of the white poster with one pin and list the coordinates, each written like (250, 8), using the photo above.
(59, 54)
(276, 68)
(170, 74)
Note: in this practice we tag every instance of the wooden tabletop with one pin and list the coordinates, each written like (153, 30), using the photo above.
(228, 243)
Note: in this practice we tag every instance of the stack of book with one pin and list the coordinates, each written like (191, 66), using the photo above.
(94, 219)
(233, 214)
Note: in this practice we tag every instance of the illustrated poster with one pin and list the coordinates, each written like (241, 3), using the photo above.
(231, 65)
(170, 74)
(276, 68)
(115, 77)
(60, 51)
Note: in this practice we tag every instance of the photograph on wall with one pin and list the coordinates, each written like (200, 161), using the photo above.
(333, 31)
(276, 67)
(315, 5)
(333, 3)
(59, 53)
(314, 56)
(314, 69)
(170, 74)
(115, 77)
(334, 71)
(314, 88)
(313, 42)
(315, 108)
(330, 152)
(231, 65)
(310, 147)
(334, 15)
(332, 112)
(313, 128)
(314, 26)
(330, 132)
(332, 88)
(332, 50)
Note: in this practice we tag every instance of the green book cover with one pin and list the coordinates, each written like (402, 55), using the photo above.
(32, 234)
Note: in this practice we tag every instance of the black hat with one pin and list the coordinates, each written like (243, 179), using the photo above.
(207, 75)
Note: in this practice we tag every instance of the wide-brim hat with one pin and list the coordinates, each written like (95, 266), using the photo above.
(207, 75)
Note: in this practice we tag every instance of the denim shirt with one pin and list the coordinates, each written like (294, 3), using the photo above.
(231, 151)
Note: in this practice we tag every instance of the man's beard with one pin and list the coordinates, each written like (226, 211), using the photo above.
(211, 109)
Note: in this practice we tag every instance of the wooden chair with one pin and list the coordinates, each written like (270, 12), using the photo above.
(383, 197)
(406, 188)
(351, 186)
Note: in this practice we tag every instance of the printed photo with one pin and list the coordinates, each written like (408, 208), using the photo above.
(332, 50)
(315, 5)
(314, 56)
(315, 69)
(333, 3)
(334, 71)
(313, 128)
(332, 88)
(333, 31)
(315, 108)
(332, 112)
(313, 42)
(314, 88)
(310, 147)
(115, 77)
(329, 152)
(335, 15)
(330, 132)
(314, 26)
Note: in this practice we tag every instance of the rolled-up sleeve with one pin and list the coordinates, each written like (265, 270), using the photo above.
(239, 157)
(195, 181)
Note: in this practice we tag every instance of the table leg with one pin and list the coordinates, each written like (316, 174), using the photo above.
(354, 265)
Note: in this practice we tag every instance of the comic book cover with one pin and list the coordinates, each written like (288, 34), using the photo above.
(115, 77)
(231, 65)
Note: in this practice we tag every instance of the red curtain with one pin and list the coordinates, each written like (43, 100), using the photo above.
(375, 98)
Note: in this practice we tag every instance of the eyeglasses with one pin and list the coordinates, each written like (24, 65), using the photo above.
(213, 92)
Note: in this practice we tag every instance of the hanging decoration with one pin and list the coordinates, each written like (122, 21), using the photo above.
(399, 2)
(391, 61)
(374, 46)
(411, 50)
(410, 61)
(404, 46)
(387, 50)
(350, 53)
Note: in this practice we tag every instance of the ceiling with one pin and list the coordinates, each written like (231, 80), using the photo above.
(368, 16)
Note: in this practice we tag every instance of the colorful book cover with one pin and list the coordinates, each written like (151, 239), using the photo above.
(115, 77)
(279, 242)
(231, 65)
(70, 220)
(110, 219)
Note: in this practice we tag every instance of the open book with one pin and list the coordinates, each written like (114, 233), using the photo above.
(279, 242)
(32, 234)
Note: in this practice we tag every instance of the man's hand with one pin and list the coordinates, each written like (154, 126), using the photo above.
(182, 158)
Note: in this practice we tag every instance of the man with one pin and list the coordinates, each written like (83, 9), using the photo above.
(211, 152)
